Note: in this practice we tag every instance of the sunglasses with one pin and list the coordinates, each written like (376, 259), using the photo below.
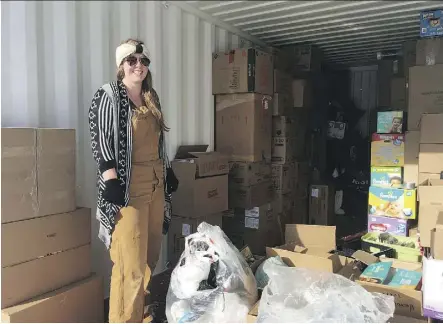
(132, 60)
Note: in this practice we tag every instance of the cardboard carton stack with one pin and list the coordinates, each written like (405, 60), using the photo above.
(46, 251)
(243, 131)
(202, 195)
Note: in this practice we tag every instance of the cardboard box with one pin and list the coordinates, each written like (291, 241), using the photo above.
(437, 238)
(300, 214)
(430, 158)
(408, 302)
(353, 269)
(282, 177)
(282, 104)
(41, 236)
(314, 243)
(305, 58)
(423, 177)
(409, 57)
(248, 197)
(321, 205)
(281, 59)
(425, 93)
(283, 126)
(386, 176)
(283, 150)
(431, 129)
(398, 94)
(432, 288)
(429, 51)
(384, 74)
(431, 205)
(431, 23)
(242, 70)
(301, 93)
(80, 302)
(387, 150)
(390, 122)
(336, 129)
(33, 278)
(392, 202)
(249, 173)
(412, 148)
(395, 226)
(253, 313)
(183, 226)
(244, 126)
(282, 82)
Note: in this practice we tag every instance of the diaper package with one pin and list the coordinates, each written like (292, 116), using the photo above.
(392, 202)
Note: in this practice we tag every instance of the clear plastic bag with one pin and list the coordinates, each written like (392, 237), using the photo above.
(307, 296)
(212, 283)
(261, 275)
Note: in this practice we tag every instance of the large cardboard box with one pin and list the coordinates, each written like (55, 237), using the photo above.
(431, 129)
(30, 239)
(408, 302)
(437, 238)
(282, 177)
(412, 145)
(249, 173)
(430, 158)
(242, 70)
(282, 104)
(203, 178)
(387, 150)
(281, 59)
(431, 204)
(409, 57)
(432, 288)
(283, 150)
(429, 51)
(321, 205)
(283, 126)
(392, 202)
(398, 94)
(80, 302)
(250, 196)
(33, 278)
(301, 93)
(183, 226)
(244, 126)
(425, 93)
(304, 58)
(282, 82)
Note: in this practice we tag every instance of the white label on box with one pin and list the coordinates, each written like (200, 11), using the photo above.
(186, 229)
(251, 222)
(432, 288)
(254, 212)
(314, 193)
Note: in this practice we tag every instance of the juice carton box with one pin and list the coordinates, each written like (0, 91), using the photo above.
(386, 177)
(392, 202)
(388, 150)
(394, 226)
(390, 122)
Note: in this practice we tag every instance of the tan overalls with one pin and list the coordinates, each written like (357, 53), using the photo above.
(137, 238)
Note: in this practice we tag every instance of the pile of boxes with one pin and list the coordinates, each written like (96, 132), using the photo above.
(46, 239)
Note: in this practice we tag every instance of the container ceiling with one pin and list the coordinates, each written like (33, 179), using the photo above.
(346, 31)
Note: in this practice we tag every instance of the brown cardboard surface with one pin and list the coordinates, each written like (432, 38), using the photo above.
(408, 302)
(398, 94)
(283, 150)
(282, 82)
(19, 176)
(412, 145)
(304, 58)
(321, 205)
(423, 177)
(183, 226)
(202, 163)
(282, 177)
(249, 173)
(429, 51)
(437, 238)
(56, 160)
(431, 129)
(311, 236)
(30, 279)
(409, 57)
(425, 93)
(249, 197)
(283, 126)
(281, 59)
(80, 302)
(231, 72)
(282, 104)
(301, 93)
(427, 221)
(41, 236)
(404, 319)
(244, 126)
(430, 158)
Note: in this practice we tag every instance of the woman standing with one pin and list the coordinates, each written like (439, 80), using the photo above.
(127, 139)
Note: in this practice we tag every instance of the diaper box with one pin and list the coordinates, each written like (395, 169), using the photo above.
(394, 226)
(386, 176)
(392, 202)
(390, 122)
(388, 150)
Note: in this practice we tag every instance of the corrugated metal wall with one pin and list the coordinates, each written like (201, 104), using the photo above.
(55, 54)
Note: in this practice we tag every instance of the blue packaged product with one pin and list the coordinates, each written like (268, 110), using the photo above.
(406, 279)
(431, 23)
(376, 272)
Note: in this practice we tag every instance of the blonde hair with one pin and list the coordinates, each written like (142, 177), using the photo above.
(150, 97)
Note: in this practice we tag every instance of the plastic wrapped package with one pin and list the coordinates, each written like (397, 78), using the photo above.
(307, 296)
(261, 275)
(212, 283)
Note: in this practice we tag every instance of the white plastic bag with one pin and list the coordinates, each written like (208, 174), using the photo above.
(212, 283)
(261, 275)
(307, 296)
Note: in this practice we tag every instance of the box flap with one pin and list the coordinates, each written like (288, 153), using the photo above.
(439, 224)
(184, 151)
(365, 257)
(311, 236)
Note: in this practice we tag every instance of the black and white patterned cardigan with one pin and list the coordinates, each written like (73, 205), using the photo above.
(110, 128)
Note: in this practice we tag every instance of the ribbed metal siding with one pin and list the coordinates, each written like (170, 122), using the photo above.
(56, 54)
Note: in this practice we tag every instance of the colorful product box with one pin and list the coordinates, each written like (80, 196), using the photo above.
(390, 122)
(394, 226)
(392, 202)
(431, 23)
(386, 177)
(388, 150)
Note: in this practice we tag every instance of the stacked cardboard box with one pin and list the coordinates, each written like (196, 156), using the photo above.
(202, 195)
(45, 238)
